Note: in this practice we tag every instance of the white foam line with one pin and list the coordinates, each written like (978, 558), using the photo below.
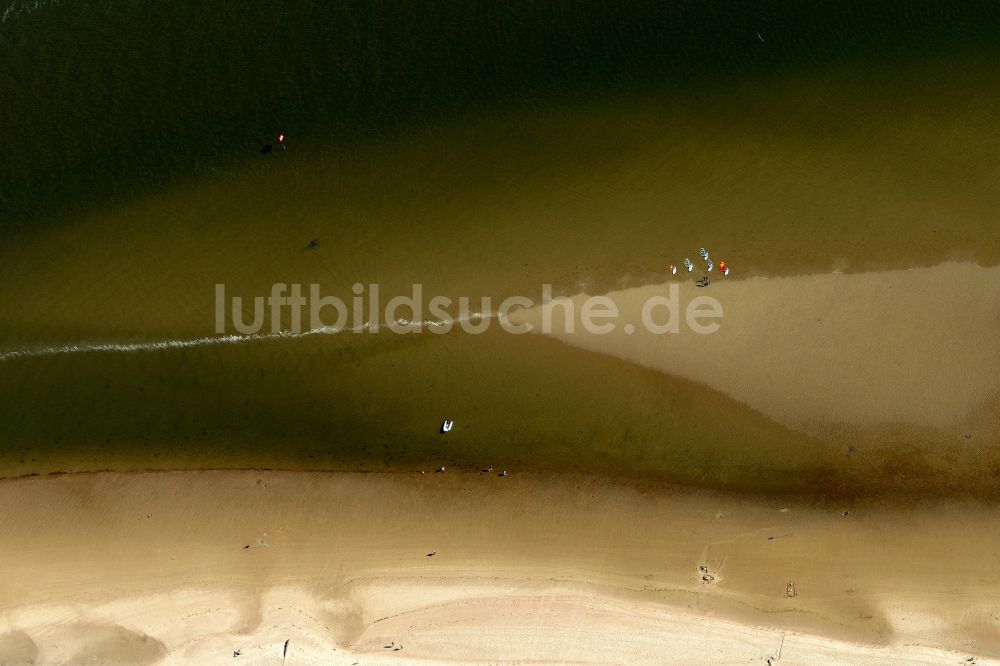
(14, 12)
(157, 345)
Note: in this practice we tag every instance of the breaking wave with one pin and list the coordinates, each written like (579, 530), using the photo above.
(233, 339)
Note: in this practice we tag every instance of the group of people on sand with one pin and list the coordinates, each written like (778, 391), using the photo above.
(709, 267)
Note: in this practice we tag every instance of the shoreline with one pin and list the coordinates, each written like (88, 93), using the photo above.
(331, 412)
(759, 407)
(338, 561)
(365, 475)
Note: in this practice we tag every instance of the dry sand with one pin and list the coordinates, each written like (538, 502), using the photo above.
(154, 568)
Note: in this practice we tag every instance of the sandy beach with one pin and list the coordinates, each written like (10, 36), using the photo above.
(817, 481)
(192, 567)
(846, 547)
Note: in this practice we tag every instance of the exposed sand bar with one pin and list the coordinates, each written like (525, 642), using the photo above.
(153, 568)
(915, 347)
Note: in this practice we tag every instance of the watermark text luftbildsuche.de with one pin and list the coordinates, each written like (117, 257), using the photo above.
(297, 309)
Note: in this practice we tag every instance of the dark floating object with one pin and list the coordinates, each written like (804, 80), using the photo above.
(313, 244)
(266, 149)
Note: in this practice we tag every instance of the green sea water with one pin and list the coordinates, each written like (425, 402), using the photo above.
(103, 100)
(476, 149)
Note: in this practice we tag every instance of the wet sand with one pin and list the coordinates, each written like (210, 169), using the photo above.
(555, 569)
(914, 346)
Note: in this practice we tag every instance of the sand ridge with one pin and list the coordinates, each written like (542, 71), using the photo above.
(910, 346)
